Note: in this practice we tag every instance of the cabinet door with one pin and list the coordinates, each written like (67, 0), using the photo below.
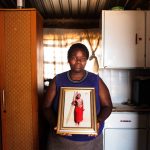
(147, 38)
(18, 80)
(123, 35)
(125, 139)
(1, 75)
(19, 109)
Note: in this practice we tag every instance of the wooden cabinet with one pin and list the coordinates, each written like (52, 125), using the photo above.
(123, 38)
(21, 77)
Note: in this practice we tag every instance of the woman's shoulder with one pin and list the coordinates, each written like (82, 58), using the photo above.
(93, 74)
(61, 74)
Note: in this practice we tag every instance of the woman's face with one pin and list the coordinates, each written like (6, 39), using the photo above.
(77, 60)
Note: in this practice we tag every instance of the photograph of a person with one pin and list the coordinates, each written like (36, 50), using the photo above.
(79, 108)
(76, 115)
(77, 76)
(76, 108)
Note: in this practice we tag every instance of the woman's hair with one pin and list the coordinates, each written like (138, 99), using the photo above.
(76, 46)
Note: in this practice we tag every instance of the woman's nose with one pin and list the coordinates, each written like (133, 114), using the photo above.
(79, 60)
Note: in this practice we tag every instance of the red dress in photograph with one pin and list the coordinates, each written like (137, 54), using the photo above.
(78, 111)
(78, 114)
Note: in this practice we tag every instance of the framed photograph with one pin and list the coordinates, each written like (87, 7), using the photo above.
(77, 111)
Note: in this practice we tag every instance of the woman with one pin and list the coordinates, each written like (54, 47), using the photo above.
(77, 76)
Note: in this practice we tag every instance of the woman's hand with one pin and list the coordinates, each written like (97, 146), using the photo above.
(98, 126)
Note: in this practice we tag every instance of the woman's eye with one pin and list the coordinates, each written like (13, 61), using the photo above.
(79, 59)
(73, 58)
(83, 59)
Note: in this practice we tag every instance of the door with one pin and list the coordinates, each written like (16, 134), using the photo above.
(123, 38)
(2, 104)
(125, 139)
(18, 91)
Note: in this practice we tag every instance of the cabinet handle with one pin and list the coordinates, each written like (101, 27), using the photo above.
(136, 38)
(125, 120)
(3, 101)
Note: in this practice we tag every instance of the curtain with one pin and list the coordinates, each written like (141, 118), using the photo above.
(57, 42)
(94, 41)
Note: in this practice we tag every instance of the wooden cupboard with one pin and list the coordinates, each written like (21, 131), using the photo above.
(126, 39)
(21, 77)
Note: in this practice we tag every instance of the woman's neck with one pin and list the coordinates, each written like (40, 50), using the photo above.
(77, 76)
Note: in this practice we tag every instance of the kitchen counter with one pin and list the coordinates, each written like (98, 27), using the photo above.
(130, 108)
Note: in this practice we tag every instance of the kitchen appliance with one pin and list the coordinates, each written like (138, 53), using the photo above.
(141, 91)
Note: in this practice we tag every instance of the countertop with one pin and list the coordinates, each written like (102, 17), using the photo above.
(130, 108)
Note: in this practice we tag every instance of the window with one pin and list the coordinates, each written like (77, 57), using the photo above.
(56, 45)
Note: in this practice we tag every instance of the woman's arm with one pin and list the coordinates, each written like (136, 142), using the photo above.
(49, 97)
(105, 101)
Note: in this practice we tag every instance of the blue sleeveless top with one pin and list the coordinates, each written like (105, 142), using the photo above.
(89, 80)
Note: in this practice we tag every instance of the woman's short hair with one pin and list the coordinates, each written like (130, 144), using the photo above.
(76, 46)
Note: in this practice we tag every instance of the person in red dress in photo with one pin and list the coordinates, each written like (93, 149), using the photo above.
(78, 111)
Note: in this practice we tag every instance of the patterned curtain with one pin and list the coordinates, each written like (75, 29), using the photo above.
(57, 42)
(94, 38)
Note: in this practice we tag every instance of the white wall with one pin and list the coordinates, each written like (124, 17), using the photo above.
(119, 82)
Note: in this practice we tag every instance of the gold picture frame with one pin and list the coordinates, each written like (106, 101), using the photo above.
(77, 111)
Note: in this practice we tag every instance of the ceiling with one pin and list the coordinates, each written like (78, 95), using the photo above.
(75, 13)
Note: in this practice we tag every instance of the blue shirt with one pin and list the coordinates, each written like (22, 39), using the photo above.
(89, 80)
